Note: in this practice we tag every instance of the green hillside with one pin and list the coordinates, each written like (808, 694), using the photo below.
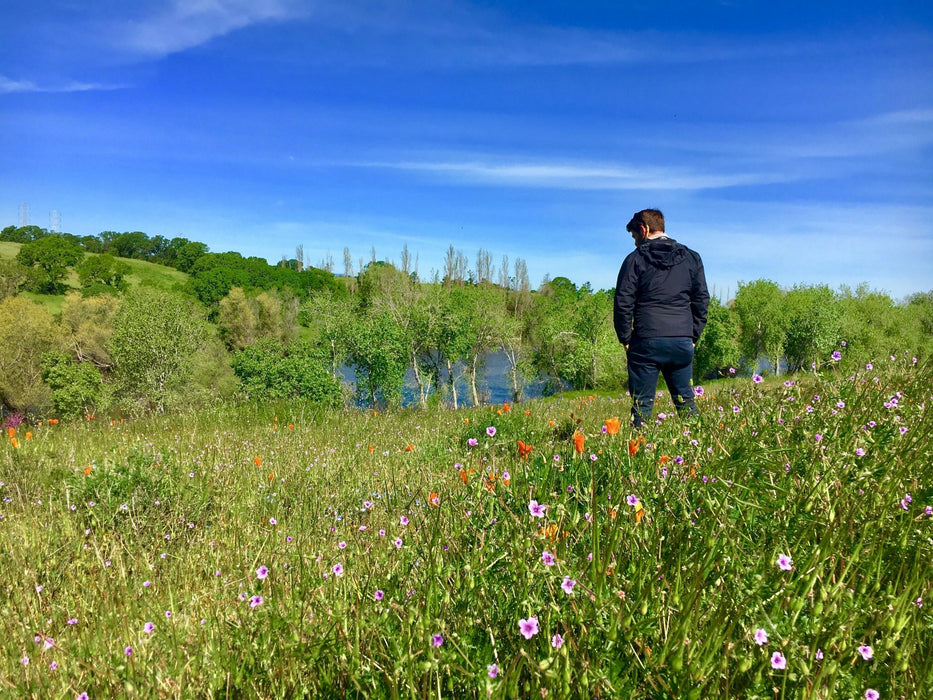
(142, 273)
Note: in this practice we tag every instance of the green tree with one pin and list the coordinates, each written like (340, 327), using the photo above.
(271, 369)
(27, 330)
(13, 277)
(813, 326)
(156, 336)
(329, 316)
(379, 354)
(763, 317)
(87, 326)
(103, 270)
(718, 349)
(49, 258)
(77, 387)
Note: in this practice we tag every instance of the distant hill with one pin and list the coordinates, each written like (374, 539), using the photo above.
(142, 274)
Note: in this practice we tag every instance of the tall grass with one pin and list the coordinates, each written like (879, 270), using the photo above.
(778, 546)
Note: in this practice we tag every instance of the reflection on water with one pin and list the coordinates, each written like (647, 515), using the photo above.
(494, 384)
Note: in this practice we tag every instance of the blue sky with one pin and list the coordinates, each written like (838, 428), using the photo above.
(791, 141)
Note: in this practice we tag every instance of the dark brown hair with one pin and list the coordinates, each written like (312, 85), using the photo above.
(652, 218)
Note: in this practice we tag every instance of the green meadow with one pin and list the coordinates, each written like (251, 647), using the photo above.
(780, 545)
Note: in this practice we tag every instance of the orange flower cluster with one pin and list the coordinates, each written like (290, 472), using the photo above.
(257, 461)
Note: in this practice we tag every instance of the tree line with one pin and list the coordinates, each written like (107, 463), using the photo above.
(239, 327)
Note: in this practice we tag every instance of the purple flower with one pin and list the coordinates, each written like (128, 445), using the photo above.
(491, 431)
(547, 558)
(379, 595)
(818, 655)
(403, 520)
(397, 542)
(818, 437)
(337, 569)
(73, 621)
(472, 442)
(859, 452)
(262, 572)
(698, 390)
(529, 627)
(761, 637)
(255, 601)
(81, 696)
(149, 628)
(866, 652)
(632, 500)
(567, 584)
(557, 641)
(367, 504)
(758, 379)
(536, 509)
(872, 694)
(778, 662)
(128, 651)
(437, 640)
(492, 670)
(784, 562)
(836, 355)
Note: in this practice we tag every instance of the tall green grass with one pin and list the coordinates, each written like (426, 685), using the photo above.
(281, 551)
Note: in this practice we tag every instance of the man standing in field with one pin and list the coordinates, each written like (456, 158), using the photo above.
(661, 302)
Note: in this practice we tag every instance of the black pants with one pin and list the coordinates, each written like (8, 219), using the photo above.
(671, 357)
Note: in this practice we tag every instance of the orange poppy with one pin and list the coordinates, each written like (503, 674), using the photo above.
(257, 461)
(434, 499)
(28, 435)
(506, 407)
(634, 444)
(527, 411)
(639, 513)
(271, 476)
(409, 447)
(579, 439)
(490, 482)
(11, 432)
(291, 426)
(693, 470)
(14, 442)
(53, 421)
(523, 449)
(87, 469)
(371, 448)
(612, 426)
(663, 460)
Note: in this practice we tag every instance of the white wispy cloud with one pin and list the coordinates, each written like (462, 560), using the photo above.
(184, 24)
(577, 176)
(9, 85)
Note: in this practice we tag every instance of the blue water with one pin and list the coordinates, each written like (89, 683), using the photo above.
(494, 384)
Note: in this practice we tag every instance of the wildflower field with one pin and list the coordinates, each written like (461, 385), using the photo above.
(780, 545)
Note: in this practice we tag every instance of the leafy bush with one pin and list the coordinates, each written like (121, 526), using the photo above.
(270, 369)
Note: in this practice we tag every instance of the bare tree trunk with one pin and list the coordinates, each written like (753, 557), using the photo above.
(453, 383)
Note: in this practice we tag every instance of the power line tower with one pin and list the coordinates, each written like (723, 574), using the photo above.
(24, 214)
(55, 221)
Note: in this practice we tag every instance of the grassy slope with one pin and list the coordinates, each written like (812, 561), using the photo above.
(142, 273)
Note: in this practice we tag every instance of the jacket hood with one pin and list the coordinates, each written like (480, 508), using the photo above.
(663, 253)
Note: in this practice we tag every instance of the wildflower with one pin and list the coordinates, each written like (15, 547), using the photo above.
(255, 601)
(257, 461)
(434, 499)
(529, 627)
(758, 379)
(491, 431)
(403, 520)
(778, 662)
(437, 640)
(379, 595)
(632, 499)
(784, 562)
(536, 509)
(872, 694)
(128, 651)
(492, 670)
(397, 542)
(698, 390)
(523, 450)
(472, 442)
(612, 426)
(836, 355)
(557, 641)
(149, 628)
(578, 442)
(81, 696)
(53, 666)
(262, 572)
(902, 429)
(818, 437)
(634, 444)
(547, 558)
(761, 637)
(567, 584)
(337, 569)
(24, 660)
(866, 652)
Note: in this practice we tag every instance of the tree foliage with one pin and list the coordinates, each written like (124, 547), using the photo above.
(48, 259)
(271, 369)
(27, 332)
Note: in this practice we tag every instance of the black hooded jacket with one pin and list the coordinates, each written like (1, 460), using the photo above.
(661, 292)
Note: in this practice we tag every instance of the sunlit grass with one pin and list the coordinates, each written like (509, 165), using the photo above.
(282, 551)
